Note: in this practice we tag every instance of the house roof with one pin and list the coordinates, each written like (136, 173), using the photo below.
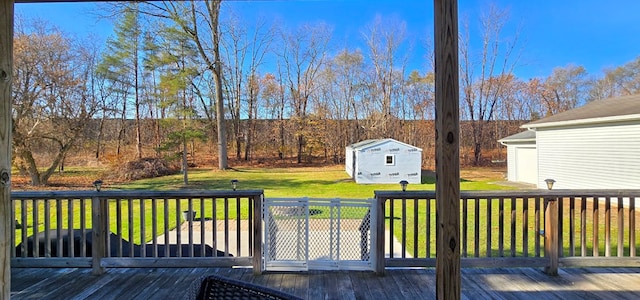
(625, 108)
(525, 136)
(372, 143)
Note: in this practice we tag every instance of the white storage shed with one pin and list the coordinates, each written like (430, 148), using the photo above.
(383, 161)
(596, 146)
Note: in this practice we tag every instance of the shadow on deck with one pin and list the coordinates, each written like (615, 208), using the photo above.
(173, 283)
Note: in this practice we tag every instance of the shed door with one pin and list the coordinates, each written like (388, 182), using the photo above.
(527, 165)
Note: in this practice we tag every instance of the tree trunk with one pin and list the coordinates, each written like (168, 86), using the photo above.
(217, 74)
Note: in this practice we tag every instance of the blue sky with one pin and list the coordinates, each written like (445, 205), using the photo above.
(593, 33)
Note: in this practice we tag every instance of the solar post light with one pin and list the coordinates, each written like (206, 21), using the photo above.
(550, 183)
(403, 185)
(97, 184)
(234, 184)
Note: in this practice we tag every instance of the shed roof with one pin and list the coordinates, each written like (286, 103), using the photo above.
(375, 142)
(525, 136)
(616, 109)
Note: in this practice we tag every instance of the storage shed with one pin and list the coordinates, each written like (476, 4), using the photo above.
(383, 161)
(596, 146)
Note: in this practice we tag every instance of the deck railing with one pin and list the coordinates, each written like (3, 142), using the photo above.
(536, 228)
(137, 228)
(517, 228)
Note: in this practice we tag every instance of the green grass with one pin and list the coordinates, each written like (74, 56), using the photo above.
(326, 182)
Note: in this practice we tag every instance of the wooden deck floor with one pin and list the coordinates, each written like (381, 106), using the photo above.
(525, 283)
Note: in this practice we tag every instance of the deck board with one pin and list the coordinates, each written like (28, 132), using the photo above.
(477, 283)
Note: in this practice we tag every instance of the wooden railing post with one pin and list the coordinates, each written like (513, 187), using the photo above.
(98, 222)
(379, 241)
(6, 69)
(257, 234)
(551, 248)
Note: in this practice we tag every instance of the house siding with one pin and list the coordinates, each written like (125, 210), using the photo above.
(604, 156)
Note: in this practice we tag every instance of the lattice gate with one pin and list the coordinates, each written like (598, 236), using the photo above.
(318, 234)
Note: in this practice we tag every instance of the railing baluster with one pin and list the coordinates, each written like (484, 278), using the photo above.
(130, 227)
(226, 226)
(596, 227)
(47, 228)
(416, 217)
(70, 231)
(501, 228)
(620, 227)
(572, 226)
(632, 226)
(59, 225)
(525, 226)
(143, 240)
(154, 226)
(251, 201)
(537, 227)
(560, 229)
(23, 220)
(189, 222)
(465, 226)
(428, 228)
(583, 226)
(214, 217)
(404, 228)
(391, 221)
(165, 219)
(178, 228)
(83, 227)
(119, 249)
(476, 227)
(36, 226)
(488, 229)
(513, 226)
(607, 227)
(202, 228)
(238, 227)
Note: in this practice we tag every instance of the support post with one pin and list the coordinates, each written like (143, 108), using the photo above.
(380, 234)
(98, 222)
(447, 150)
(6, 74)
(257, 235)
(551, 248)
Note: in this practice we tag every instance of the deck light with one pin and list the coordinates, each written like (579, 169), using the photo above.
(403, 185)
(234, 184)
(97, 184)
(550, 183)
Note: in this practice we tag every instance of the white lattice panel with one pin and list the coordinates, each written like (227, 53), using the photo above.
(303, 234)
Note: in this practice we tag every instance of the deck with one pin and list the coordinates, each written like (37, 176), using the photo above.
(480, 283)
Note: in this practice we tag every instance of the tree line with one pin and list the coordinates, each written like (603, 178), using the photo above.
(179, 76)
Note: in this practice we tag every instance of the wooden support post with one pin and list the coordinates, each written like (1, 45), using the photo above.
(447, 150)
(6, 71)
(551, 249)
(379, 238)
(257, 235)
(99, 224)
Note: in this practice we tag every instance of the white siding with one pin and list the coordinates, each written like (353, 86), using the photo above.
(593, 157)
(371, 167)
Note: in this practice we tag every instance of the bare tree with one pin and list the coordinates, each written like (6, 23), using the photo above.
(384, 38)
(303, 54)
(495, 63)
(52, 100)
(565, 89)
